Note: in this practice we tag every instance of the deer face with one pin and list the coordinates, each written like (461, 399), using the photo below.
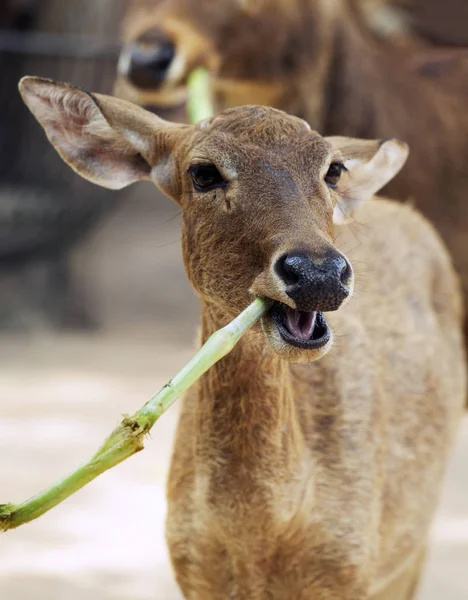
(258, 204)
(253, 47)
(259, 193)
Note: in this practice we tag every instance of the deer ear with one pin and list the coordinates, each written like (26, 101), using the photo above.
(370, 165)
(108, 141)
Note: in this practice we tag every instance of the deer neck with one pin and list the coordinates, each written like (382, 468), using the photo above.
(345, 87)
(334, 89)
(247, 421)
(361, 73)
(371, 84)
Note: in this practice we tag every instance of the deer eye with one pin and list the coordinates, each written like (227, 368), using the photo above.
(206, 177)
(334, 173)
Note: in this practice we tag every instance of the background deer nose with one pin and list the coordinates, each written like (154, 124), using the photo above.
(315, 285)
(147, 62)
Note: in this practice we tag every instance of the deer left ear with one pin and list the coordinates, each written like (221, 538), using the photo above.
(371, 164)
(108, 141)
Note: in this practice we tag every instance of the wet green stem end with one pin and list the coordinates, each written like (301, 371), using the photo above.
(128, 438)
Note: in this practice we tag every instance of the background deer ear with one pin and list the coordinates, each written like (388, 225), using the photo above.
(108, 141)
(370, 164)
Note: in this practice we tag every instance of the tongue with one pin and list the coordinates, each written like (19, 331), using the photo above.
(300, 324)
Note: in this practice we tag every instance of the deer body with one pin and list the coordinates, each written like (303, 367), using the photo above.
(300, 470)
(320, 480)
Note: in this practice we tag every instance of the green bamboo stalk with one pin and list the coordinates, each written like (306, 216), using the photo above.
(199, 104)
(128, 438)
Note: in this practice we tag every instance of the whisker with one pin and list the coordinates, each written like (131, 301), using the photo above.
(172, 218)
(157, 247)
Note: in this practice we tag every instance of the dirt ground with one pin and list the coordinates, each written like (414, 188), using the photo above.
(59, 398)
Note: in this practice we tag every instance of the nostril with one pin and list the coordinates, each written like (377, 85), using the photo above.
(148, 66)
(287, 267)
(345, 271)
(164, 57)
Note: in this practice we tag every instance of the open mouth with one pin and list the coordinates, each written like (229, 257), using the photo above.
(308, 330)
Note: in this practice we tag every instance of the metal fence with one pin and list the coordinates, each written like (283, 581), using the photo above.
(44, 208)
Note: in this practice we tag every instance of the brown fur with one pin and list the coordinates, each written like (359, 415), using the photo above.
(437, 22)
(292, 481)
(316, 59)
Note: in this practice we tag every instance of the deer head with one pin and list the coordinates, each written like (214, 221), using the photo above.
(259, 51)
(253, 47)
(259, 193)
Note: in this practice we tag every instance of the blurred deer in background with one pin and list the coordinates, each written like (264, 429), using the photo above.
(320, 60)
(292, 481)
(439, 22)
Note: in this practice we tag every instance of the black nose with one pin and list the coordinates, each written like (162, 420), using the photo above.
(315, 285)
(149, 59)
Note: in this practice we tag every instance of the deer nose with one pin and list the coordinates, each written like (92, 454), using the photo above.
(320, 285)
(146, 62)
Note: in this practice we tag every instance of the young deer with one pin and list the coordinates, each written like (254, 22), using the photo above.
(317, 60)
(292, 481)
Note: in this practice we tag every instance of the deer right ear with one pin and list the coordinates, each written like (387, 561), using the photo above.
(108, 141)
(370, 165)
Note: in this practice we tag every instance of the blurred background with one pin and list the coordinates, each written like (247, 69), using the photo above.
(96, 315)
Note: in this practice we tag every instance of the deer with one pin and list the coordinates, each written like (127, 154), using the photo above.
(308, 462)
(319, 60)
